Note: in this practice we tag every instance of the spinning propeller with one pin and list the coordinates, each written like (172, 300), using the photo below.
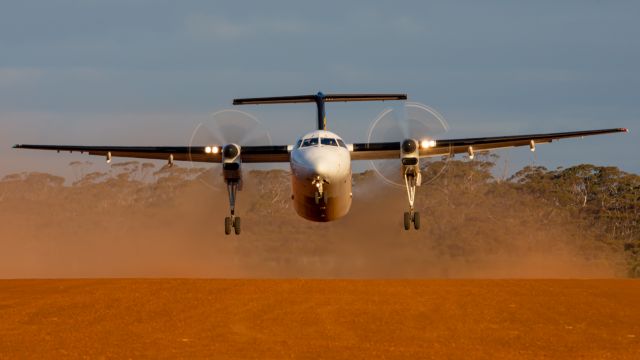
(221, 132)
(413, 121)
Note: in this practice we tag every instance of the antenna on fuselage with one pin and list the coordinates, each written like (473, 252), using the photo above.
(320, 99)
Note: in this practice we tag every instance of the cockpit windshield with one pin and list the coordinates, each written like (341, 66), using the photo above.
(309, 142)
(328, 141)
(320, 140)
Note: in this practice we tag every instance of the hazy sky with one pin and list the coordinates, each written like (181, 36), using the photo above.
(146, 72)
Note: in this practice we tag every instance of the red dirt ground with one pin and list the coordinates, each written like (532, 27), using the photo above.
(320, 319)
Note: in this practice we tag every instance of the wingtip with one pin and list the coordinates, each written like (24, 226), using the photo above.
(17, 146)
(624, 130)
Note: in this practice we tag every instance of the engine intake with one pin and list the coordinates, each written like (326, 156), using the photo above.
(410, 159)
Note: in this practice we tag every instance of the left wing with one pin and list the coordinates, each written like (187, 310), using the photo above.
(391, 150)
(249, 154)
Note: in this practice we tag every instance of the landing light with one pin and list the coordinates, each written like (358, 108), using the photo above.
(211, 149)
(425, 144)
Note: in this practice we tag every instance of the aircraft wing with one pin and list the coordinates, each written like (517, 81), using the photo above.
(391, 150)
(249, 154)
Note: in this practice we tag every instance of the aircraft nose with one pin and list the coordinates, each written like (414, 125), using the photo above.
(320, 164)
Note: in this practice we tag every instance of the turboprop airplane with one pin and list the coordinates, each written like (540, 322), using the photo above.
(320, 160)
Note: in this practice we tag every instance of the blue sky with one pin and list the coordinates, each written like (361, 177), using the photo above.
(146, 72)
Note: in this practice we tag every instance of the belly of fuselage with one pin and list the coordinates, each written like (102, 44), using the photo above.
(334, 203)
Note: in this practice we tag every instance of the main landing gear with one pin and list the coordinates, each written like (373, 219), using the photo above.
(233, 178)
(412, 178)
(232, 221)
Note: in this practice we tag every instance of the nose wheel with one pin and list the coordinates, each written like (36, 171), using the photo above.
(232, 221)
(412, 179)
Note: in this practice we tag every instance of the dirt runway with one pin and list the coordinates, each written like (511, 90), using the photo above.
(320, 319)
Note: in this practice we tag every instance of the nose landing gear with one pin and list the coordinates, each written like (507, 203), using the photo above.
(412, 178)
(320, 195)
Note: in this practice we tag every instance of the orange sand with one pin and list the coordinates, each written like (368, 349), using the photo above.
(320, 319)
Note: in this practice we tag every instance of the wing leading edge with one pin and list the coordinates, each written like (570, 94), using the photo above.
(249, 154)
(391, 150)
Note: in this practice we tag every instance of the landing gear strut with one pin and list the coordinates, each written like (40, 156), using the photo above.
(412, 178)
(232, 221)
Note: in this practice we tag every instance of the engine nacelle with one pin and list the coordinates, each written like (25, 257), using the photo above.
(410, 158)
(231, 163)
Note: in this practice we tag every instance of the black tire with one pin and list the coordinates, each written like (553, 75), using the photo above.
(227, 225)
(236, 225)
(416, 220)
(407, 221)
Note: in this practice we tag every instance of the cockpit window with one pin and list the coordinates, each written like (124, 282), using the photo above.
(341, 143)
(298, 144)
(309, 142)
(329, 141)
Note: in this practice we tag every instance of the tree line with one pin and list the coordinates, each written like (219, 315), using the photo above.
(467, 210)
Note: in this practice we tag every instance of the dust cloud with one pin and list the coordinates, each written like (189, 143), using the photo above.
(170, 224)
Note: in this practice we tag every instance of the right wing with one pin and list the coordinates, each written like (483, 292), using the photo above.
(391, 150)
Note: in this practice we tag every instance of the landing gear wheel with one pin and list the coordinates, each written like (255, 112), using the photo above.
(407, 221)
(227, 225)
(416, 220)
(236, 225)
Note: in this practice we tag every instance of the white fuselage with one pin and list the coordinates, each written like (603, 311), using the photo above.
(321, 176)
